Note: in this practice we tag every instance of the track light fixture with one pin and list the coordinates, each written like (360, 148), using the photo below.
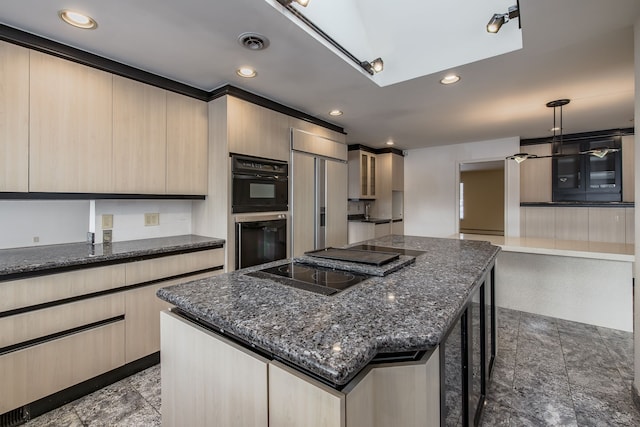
(498, 19)
(302, 3)
(374, 66)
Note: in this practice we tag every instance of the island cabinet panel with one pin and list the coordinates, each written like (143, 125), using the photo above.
(187, 133)
(70, 126)
(14, 118)
(296, 400)
(397, 394)
(38, 371)
(37, 290)
(139, 137)
(208, 380)
(257, 131)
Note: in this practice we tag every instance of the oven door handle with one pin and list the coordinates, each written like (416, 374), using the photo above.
(269, 177)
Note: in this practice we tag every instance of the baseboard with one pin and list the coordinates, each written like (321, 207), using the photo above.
(77, 391)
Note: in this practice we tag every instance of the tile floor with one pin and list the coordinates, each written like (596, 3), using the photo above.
(549, 372)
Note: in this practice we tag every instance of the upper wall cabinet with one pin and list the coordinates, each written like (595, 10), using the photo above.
(362, 175)
(257, 131)
(70, 127)
(397, 172)
(14, 118)
(187, 133)
(535, 175)
(139, 137)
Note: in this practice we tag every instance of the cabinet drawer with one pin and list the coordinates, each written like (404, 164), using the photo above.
(158, 268)
(37, 290)
(40, 323)
(33, 373)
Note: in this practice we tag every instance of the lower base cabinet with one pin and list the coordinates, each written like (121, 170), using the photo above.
(208, 380)
(48, 344)
(241, 388)
(38, 371)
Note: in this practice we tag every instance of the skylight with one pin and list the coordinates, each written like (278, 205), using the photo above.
(414, 37)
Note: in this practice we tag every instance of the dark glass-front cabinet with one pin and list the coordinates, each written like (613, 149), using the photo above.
(586, 177)
(467, 355)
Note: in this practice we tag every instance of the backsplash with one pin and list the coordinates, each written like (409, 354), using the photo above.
(26, 223)
(42, 222)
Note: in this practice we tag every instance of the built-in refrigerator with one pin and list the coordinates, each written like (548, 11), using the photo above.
(318, 171)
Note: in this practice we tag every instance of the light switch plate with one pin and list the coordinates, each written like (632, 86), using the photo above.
(107, 221)
(151, 219)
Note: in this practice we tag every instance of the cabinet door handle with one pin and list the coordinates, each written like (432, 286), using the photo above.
(563, 179)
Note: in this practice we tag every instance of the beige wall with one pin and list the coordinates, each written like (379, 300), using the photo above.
(483, 201)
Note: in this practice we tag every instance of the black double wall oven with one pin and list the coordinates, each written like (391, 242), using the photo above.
(260, 192)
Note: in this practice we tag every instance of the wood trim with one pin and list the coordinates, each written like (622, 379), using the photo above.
(385, 150)
(41, 44)
(575, 137)
(95, 196)
(271, 105)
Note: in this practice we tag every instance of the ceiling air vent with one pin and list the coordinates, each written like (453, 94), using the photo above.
(253, 41)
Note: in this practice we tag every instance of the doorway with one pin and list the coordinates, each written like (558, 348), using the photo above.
(482, 195)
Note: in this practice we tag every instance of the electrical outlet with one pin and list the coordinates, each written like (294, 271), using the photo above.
(151, 219)
(107, 221)
(36, 239)
(107, 236)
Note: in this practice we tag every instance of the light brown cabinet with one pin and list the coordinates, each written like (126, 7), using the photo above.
(208, 380)
(257, 131)
(70, 127)
(96, 333)
(139, 137)
(397, 172)
(535, 175)
(187, 133)
(244, 389)
(14, 118)
(362, 175)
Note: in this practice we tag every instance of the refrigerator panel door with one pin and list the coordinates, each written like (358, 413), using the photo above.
(302, 203)
(321, 203)
(336, 208)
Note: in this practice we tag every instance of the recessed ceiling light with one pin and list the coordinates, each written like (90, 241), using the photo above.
(335, 113)
(390, 142)
(450, 79)
(246, 72)
(77, 19)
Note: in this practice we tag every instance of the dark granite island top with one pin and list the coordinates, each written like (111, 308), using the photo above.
(51, 258)
(334, 337)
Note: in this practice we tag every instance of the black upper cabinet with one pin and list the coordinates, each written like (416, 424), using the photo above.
(586, 177)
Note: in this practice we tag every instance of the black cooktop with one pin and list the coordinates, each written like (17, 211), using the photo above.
(321, 280)
(400, 251)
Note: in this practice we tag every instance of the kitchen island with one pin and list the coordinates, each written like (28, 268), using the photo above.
(326, 342)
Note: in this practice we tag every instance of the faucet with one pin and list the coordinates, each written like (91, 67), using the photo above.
(366, 210)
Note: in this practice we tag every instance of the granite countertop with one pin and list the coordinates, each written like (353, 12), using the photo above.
(51, 257)
(360, 218)
(336, 336)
